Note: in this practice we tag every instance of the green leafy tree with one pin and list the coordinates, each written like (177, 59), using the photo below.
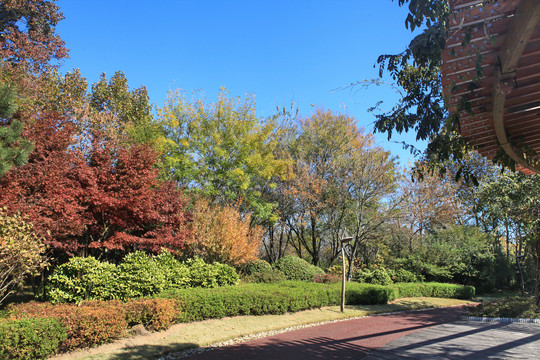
(511, 207)
(339, 179)
(130, 109)
(222, 150)
(14, 149)
(421, 107)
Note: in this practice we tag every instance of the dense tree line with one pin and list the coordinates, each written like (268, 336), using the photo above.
(98, 171)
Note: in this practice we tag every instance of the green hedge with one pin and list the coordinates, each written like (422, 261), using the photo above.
(291, 296)
(36, 330)
(30, 338)
(454, 291)
(138, 275)
(249, 299)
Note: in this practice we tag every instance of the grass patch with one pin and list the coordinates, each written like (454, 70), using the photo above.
(204, 333)
(513, 307)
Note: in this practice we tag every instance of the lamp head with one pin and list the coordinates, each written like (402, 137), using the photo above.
(346, 240)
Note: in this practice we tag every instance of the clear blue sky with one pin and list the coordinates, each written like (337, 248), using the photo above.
(277, 50)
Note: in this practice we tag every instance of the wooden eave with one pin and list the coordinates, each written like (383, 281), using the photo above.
(497, 72)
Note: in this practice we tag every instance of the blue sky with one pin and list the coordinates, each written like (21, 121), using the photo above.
(280, 51)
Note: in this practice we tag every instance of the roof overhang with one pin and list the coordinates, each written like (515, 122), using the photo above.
(492, 62)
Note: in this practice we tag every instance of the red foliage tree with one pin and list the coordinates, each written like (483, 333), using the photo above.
(112, 201)
(130, 207)
(27, 33)
(49, 187)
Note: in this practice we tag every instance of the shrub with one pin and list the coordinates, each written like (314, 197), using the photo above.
(368, 294)
(225, 274)
(211, 275)
(30, 338)
(177, 274)
(377, 277)
(295, 268)
(140, 275)
(83, 279)
(404, 276)
(259, 299)
(137, 276)
(335, 270)
(256, 266)
(87, 325)
(326, 278)
(271, 276)
(222, 235)
(154, 314)
(442, 290)
(21, 251)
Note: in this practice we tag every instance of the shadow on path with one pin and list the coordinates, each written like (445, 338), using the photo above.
(349, 339)
(466, 341)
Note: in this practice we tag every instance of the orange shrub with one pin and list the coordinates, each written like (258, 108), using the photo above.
(223, 235)
(154, 314)
(87, 325)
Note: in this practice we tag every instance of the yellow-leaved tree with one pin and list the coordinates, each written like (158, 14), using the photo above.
(222, 234)
(21, 252)
(223, 151)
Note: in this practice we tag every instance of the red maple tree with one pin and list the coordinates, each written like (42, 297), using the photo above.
(111, 200)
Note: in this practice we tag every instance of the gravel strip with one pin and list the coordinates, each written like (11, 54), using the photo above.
(500, 319)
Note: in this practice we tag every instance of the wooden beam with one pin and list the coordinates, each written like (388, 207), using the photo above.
(519, 32)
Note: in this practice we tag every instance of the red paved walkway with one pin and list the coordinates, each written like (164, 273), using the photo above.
(349, 339)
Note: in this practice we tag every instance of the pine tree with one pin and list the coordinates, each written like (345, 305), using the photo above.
(14, 150)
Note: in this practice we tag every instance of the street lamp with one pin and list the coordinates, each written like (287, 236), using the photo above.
(344, 241)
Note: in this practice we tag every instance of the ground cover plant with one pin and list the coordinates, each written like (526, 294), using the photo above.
(511, 307)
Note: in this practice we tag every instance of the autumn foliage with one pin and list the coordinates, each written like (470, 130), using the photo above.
(111, 199)
(21, 252)
(222, 234)
(27, 32)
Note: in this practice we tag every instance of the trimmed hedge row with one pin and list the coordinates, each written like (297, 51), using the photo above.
(35, 330)
(291, 296)
(30, 339)
(93, 322)
(441, 290)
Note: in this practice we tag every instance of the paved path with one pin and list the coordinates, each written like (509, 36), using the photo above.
(351, 339)
(465, 340)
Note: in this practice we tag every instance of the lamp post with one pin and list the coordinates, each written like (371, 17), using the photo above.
(344, 241)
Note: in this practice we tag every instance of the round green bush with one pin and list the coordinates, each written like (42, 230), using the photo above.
(380, 277)
(140, 275)
(257, 266)
(177, 273)
(83, 279)
(376, 277)
(272, 276)
(225, 274)
(404, 276)
(295, 268)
